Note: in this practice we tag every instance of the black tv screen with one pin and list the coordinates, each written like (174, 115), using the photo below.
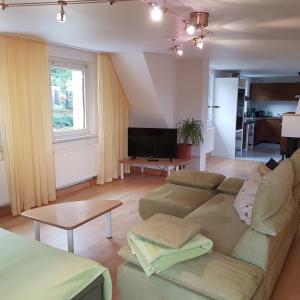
(152, 142)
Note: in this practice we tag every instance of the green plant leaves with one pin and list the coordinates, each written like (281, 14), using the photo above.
(190, 131)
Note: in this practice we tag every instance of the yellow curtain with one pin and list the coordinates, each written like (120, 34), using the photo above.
(25, 122)
(113, 120)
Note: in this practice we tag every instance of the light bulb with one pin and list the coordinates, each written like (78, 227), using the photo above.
(200, 44)
(179, 51)
(156, 13)
(190, 29)
(61, 17)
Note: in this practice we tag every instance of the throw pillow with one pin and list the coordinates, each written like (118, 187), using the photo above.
(231, 185)
(167, 230)
(245, 199)
(196, 179)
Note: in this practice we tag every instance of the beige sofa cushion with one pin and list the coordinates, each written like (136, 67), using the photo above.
(172, 199)
(214, 275)
(166, 230)
(273, 205)
(196, 179)
(219, 222)
(296, 163)
(231, 185)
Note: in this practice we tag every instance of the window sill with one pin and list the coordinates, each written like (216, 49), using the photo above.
(74, 138)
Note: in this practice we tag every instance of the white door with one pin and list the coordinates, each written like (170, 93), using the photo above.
(225, 96)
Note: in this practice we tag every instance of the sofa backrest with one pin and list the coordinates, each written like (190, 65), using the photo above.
(274, 204)
(296, 163)
(274, 219)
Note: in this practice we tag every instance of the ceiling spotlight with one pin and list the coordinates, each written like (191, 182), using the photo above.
(200, 44)
(61, 15)
(179, 50)
(199, 41)
(156, 12)
(190, 29)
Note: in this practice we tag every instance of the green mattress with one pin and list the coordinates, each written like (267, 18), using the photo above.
(32, 270)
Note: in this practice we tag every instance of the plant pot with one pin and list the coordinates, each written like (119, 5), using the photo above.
(184, 151)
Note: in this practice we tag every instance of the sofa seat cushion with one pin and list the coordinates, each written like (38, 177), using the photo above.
(220, 222)
(214, 275)
(173, 200)
(32, 270)
(197, 179)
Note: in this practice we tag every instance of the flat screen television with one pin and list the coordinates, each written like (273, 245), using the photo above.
(152, 142)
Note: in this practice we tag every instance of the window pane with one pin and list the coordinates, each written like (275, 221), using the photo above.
(67, 99)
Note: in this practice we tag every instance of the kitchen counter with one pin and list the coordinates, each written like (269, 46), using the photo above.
(269, 118)
(250, 120)
(267, 129)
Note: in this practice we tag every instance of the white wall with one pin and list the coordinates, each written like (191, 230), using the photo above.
(4, 195)
(145, 106)
(192, 97)
(163, 70)
(285, 79)
(276, 107)
(163, 89)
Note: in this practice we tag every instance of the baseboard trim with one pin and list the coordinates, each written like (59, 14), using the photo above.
(5, 210)
(74, 188)
(150, 171)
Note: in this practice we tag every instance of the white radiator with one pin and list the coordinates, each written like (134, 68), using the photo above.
(4, 195)
(75, 162)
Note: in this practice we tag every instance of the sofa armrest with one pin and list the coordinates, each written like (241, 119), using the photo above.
(214, 275)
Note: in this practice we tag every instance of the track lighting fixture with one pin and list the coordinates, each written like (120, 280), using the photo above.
(200, 43)
(179, 50)
(190, 29)
(61, 15)
(196, 25)
(156, 12)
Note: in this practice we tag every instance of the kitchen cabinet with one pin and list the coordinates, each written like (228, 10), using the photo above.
(267, 130)
(274, 91)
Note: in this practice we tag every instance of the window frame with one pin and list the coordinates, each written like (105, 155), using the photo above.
(74, 134)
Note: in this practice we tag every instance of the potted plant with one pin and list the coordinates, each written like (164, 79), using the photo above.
(190, 133)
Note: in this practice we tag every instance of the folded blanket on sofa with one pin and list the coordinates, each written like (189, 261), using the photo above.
(155, 258)
(167, 230)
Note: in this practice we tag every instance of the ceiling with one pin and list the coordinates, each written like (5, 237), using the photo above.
(256, 36)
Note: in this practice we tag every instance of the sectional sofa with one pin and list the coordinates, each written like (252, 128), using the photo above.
(246, 260)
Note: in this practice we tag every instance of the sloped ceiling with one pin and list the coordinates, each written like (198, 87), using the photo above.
(145, 106)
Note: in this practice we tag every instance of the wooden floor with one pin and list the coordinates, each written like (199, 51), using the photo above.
(90, 238)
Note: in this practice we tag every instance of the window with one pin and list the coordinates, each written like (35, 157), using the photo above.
(70, 118)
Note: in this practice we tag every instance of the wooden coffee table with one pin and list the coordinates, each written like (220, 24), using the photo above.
(70, 215)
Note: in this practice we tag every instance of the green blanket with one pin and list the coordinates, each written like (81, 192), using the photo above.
(30, 270)
(155, 258)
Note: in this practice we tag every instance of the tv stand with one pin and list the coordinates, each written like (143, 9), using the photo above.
(169, 163)
(152, 159)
